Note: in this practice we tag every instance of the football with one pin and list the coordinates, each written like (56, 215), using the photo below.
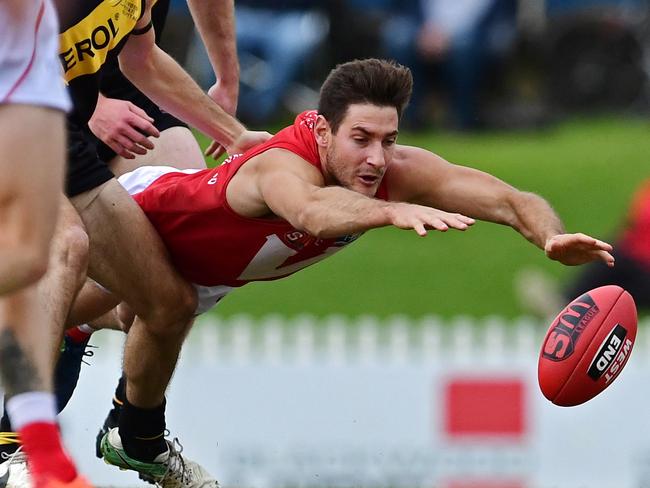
(587, 345)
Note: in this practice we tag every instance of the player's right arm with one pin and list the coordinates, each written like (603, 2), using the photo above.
(422, 177)
(281, 183)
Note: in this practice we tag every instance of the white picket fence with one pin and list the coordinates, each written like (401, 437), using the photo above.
(242, 339)
(336, 402)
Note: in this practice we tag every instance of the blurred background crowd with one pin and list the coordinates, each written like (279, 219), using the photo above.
(477, 63)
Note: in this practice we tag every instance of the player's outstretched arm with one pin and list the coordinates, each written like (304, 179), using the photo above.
(422, 177)
(293, 189)
(155, 73)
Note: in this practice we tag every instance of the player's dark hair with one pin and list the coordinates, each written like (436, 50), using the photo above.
(375, 81)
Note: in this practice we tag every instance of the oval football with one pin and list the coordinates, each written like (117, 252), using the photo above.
(587, 345)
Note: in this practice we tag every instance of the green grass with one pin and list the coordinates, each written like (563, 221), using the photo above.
(587, 169)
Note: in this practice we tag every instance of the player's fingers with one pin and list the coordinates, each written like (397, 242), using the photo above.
(607, 258)
(605, 246)
(138, 138)
(438, 224)
(593, 242)
(466, 219)
(145, 127)
(138, 111)
(420, 229)
(456, 223)
(121, 150)
(214, 150)
(130, 145)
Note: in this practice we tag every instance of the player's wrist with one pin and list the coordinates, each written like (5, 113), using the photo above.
(231, 136)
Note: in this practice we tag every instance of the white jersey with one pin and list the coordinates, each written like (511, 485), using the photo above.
(30, 71)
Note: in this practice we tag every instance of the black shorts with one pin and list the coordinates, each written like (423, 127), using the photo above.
(85, 169)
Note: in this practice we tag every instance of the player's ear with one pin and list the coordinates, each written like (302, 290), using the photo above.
(322, 131)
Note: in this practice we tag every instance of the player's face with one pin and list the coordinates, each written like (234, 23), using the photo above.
(362, 148)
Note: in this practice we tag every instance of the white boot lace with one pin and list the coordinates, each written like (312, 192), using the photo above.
(18, 456)
(176, 469)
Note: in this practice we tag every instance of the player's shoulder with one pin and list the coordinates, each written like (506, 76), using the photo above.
(276, 160)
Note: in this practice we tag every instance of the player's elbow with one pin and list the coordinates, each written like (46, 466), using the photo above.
(511, 208)
(308, 221)
(137, 66)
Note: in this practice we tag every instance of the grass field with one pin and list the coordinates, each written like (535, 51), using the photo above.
(587, 169)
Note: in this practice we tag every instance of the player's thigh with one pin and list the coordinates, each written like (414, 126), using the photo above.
(176, 147)
(128, 257)
(32, 154)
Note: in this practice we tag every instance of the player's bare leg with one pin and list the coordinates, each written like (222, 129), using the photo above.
(32, 166)
(175, 147)
(66, 273)
(164, 306)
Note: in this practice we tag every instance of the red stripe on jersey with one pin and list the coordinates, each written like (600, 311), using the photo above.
(28, 68)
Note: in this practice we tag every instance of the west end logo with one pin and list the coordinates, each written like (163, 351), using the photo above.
(568, 328)
(611, 355)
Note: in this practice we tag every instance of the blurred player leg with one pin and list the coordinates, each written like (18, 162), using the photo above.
(31, 162)
(31, 187)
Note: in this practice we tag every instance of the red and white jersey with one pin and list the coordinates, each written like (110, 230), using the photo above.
(210, 244)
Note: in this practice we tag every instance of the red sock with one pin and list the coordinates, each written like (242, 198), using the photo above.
(77, 335)
(45, 455)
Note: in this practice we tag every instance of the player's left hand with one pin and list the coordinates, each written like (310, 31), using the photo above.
(576, 249)
(226, 97)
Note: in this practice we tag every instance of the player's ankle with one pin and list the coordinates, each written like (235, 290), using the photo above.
(120, 394)
(9, 443)
(45, 454)
(142, 431)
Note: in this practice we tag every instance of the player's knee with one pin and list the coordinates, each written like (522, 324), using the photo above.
(74, 245)
(173, 316)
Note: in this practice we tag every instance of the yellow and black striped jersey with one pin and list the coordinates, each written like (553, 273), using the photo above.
(92, 32)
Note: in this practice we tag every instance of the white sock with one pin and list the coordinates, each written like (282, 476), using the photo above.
(30, 407)
(86, 328)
